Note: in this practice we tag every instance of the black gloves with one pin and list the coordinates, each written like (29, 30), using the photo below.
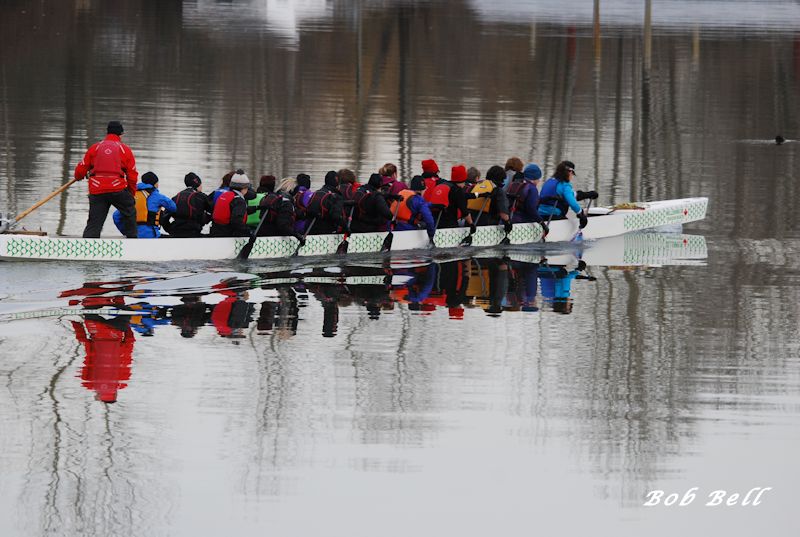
(584, 220)
(581, 265)
(485, 195)
(545, 229)
(393, 197)
(470, 195)
(508, 226)
(590, 195)
(300, 239)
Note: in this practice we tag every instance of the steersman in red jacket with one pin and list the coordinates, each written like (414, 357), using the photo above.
(111, 168)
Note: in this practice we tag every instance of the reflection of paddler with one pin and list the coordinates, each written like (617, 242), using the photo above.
(454, 281)
(232, 315)
(109, 350)
(190, 315)
(282, 316)
(556, 281)
(150, 317)
(523, 286)
(498, 285)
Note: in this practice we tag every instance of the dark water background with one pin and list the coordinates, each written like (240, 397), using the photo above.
(458, 414)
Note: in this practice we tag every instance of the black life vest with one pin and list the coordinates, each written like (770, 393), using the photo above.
(317, 206)
(271, 202)
(183, 204)
(362, 197)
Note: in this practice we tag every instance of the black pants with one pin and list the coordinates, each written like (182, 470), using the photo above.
(99, 204)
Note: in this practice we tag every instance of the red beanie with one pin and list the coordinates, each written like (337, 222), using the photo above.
(429, 166)
(458, 174)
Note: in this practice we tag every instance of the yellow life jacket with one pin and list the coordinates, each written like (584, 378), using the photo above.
(477, 203)
(143, 216)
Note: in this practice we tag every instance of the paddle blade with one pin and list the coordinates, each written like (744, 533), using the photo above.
(505, 241)
(387, 242)
(245, 252)
(466, 241)
(342, 248)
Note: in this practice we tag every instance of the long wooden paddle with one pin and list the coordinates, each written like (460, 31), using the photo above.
(302, 242)
(245, 252)
(344, 245)
(9, 224)
(387, 242)
(467, 241)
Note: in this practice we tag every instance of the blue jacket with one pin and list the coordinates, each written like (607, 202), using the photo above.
(528, 209)
(553, 189)
(419, 206)
(155, 202)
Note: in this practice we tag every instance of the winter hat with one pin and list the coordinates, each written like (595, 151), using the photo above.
(149, 178)
(331, 179)
(304, 180)
(267, 183)
(192, 180)
(458, 174)
(114, 127)
(417, 183)
(375, 180)
(532, 172)
(240, 180)
(430, 166)
(496, 174)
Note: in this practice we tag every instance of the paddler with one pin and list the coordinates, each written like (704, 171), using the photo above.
(111, 168)
(193, 209)
(149, 203)
(280, 212)
(413, 211)
(371, 209)
(326, 206)
(523, 194)
(557, 196)
(229, 218)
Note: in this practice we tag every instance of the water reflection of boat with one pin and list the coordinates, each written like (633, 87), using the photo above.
(106, 317)
(604, 222)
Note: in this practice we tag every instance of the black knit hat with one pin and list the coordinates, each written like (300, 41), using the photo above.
(417, 183)
(303, 179)
(114, 127)
(375, 180)
(496, 174)
(332, 179)
(192, 180)
(149, 178)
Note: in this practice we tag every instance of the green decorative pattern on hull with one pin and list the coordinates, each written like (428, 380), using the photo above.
(48, 248)
(689, 212)
(655, 248)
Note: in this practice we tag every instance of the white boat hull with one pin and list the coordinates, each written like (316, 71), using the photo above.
(601, 224)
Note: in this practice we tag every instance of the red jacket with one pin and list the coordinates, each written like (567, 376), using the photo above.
(113, 170)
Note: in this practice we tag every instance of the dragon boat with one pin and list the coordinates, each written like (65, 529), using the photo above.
(603, 222)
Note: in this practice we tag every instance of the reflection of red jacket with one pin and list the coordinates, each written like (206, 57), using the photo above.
(221, 314)
(108, 357)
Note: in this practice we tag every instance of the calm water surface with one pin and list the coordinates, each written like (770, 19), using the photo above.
(506, 392)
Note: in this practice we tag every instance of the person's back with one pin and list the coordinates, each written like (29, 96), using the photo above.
(412, 211)
(326, 209)
(223, 187)
(523, 195)
(149, 204)
(111, 168)
(229, 216)
(279, 219)
(192, 212)
(371, 210)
